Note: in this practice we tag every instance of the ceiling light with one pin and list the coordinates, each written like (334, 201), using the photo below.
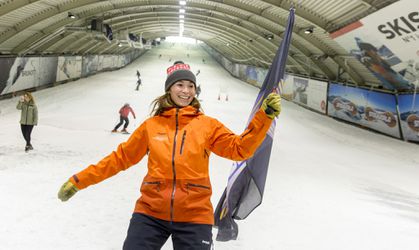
(309, 30)
(181, 16)
(269, 36)
(182, 2)
(70, 15)
(181, 21)
(181, 10)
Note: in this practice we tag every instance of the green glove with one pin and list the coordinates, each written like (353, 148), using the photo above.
(67, 190)
(272, 105)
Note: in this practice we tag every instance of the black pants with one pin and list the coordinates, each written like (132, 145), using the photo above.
(148, 233)
(26, 132)
(122, 120)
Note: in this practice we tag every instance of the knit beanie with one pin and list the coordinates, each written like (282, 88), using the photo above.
(178, 72)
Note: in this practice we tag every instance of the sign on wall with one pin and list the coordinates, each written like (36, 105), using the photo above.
(387, 43)
(370, 109)
(409, 116)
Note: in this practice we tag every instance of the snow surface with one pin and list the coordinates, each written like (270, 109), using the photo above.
(330, 185)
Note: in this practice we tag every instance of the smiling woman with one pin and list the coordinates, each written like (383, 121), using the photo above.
(178, 138)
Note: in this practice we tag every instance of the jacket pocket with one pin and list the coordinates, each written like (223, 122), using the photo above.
(153, 184)
(193, 185)
(153, 194)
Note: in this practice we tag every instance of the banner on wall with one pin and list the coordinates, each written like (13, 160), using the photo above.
(370, 109)
(5, 65)
(23, 74)
(255, 75)
(107, 62)
(89, 66)
(387, 43)
(409, 116)
(69, 67)
(310, 93)
(288, 88)
(47, 70)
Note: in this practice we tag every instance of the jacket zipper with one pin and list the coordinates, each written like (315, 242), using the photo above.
(183, 141)
(172, 200)
(27, 111)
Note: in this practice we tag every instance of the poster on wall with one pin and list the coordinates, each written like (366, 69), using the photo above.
(255, 76)
(317, 95)
(409, 116)
(370, 109)
(69, 67)
(89, 66)
(23, 74)
(288, 87)
(107, 62)
(387, 43)
(47, 70)
(299, 93)
(5, 66)
(312, 95)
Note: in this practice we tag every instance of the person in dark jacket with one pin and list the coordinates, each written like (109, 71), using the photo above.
(178, 139)
(28, 117)
(123, 117)
(138, 84)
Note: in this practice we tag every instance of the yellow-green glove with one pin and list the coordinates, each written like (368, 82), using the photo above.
(67, 190)
(272, 105)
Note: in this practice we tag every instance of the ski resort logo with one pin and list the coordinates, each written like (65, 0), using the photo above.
(160, 137)
(380, 115)
(348, 107)
(175, 67)
(413, 122)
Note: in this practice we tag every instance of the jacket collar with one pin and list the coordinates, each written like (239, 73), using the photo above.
(185, 111)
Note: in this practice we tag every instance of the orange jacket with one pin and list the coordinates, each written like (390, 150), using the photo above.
(178, 142)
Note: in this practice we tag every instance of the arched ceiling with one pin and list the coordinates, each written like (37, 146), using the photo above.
(236, 28)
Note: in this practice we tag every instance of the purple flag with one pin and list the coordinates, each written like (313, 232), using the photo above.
(246, 182)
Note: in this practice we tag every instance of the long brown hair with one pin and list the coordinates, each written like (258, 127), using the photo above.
(161, 103)
(31, 101)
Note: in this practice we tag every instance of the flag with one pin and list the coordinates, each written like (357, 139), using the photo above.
(246, 182)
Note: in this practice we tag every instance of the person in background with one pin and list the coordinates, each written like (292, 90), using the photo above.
(28, 117)
(138, 74)
(198, 91)
(123, 117)
(138, 84)
(178, 139)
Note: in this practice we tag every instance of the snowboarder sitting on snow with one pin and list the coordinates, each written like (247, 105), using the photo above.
(123, 117)
(178, 139)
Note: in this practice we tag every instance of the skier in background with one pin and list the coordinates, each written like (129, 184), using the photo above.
(123, 117)
(178, 140)
(138, 84)
(138, 74)
(198, 91)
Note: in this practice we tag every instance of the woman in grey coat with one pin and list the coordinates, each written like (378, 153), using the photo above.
(28, 117)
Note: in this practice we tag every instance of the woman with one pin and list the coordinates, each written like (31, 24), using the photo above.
(28, 117)
(178, 139)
